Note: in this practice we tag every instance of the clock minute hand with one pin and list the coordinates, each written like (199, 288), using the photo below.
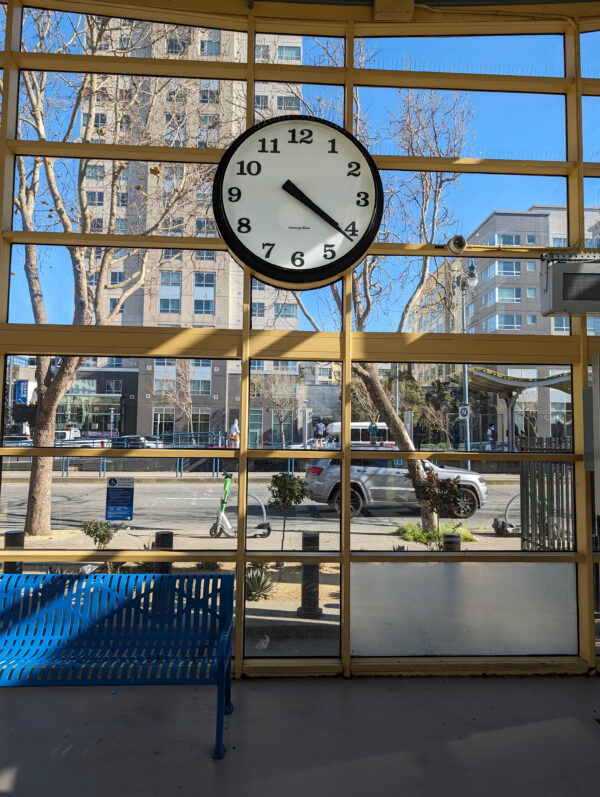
(294, 191)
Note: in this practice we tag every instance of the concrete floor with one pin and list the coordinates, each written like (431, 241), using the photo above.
(369, 736)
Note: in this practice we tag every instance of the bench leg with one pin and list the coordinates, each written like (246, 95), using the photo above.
(219, 748)
(228, 703)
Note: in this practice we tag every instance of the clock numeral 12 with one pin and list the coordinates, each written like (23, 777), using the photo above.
(264, 148)
(306, 136)
(269, 248)
(252, 167)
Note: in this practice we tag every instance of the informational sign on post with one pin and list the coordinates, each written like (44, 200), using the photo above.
(21, 389)
(119, 498)
(463, 411)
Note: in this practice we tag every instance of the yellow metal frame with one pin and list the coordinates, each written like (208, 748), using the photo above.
(564, 19)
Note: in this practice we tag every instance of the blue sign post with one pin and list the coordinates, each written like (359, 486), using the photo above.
(21, 391)
(119, 498)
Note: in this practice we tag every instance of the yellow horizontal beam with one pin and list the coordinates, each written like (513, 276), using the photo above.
(278, 344)
(441, 250)
(453, 456)
(291, 668)
(458, 81)
(116, 65)
(591, 169)
(61, 149)
(474, 165)
(41, 555)
(116, 340)
(293, 453)
(104, 239)
(457, 348)
(117, 453)
(464, 22)
(590, 86)
(471, 665)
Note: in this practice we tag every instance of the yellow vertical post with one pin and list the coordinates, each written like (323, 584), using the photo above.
(575, 199)
(583, 505)
(240, 567)
(250, 73)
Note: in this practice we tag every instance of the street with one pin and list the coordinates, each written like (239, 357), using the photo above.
(189, 508)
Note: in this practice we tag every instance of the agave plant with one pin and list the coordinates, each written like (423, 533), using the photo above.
(259, 584)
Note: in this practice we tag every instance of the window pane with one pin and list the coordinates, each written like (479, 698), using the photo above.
(125, 402)
(495, 624)
(474, 123)
(298, 401)
(590, 54)
(133, 300)
(129, 109)
(304, 526)
(590, 112)
(277, 99)
(493, 55)
(67, 32)
(292, 610)
(165, 498)
(2, 24)
(316, 310)
(273, 48)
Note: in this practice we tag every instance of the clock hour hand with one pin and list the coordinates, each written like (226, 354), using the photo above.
(294, 191)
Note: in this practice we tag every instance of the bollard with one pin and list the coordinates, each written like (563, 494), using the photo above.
(451, 541)
(14, 539)
(163, 540)
(310, 579)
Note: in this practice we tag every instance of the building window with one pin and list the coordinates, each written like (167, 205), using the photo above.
(531, 319)
(200, 387)
(96, 225)
(95, 198)
(286, 310)
(261, 52)
(176, 94)
(531, 293)
(125, 124)
(508, 322)
(173, 226)
(508, 268)
(83, 387)
(114, 362)
(288, 103)
(116, 277)
(210, 48)
(506, 239)
(170, 306)
(201, 424)
(471, 310)
(175, 129)
(559, 242)
(163, 420)
(94, 172)
(209, 93)
(177, 44)
(206, 228)
(198, 363)
(287, 52)
(509, 295)
(258, 309)
(91, 362)
(531, 264)
(205, 254)
(285, 366)
(170, 279)
(204, 293)
(122, 226)
(113, 303)
(172, 254)
(257, 366)
(256, 285)
(124, 174)
(261, 101)
(164, 361)
(561, 324)
(122, 199)
(114, 386)
(531, 240)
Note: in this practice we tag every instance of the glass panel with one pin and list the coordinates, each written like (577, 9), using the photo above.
(68, 32)
(298, 401)
(292, 610)
(468, 123)
(590, 54)
(275, 48)
(491, 55)
(278, 99)
(152, 198)
(176, 495)
(123, 402)
(492, 506)
(319, 309)
(130, 109)
(590, 117)
(487, 209)
(126, 286)
(463, 609)
(280, 508)
(528, 407)
(2, 25)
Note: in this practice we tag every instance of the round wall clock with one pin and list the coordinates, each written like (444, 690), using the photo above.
(297, 199)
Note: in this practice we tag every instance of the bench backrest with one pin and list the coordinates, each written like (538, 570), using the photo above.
(106, 610)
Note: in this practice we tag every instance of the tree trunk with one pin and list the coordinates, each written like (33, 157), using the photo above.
(283, 535)
(39, 499)
(374, 384)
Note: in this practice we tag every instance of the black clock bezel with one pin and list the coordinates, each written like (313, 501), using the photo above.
(322, 273)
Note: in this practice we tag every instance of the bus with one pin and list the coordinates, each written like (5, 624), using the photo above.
(359, 434)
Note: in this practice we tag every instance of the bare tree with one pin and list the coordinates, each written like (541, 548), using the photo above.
(176, 393)
(281, 394)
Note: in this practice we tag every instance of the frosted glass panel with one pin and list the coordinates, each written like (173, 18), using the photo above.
(463, 609)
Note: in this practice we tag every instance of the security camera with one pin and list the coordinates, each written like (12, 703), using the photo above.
(457, 245)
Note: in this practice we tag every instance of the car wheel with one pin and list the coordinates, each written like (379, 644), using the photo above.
(356, 502)
(466, 505)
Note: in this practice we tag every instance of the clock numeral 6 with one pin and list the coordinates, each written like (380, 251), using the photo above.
(328, 252)
(362, 199)
(269, 248)
(251, 167)
(244, 225)
(298, 259)
(353, 169)
(234, 194)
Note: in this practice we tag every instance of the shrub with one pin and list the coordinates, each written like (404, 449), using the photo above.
(412, 532)
(259, 584)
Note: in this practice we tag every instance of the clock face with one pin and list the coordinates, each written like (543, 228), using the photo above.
(297, 199)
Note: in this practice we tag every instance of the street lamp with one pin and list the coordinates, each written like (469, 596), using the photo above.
(466, 282)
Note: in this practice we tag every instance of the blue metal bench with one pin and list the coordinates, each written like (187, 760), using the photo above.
(84, 630)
